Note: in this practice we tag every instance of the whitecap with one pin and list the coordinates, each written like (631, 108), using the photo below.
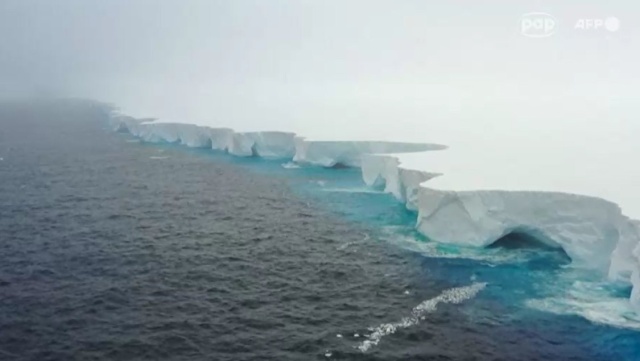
(591, 300)
(453, 295)
(353, 190)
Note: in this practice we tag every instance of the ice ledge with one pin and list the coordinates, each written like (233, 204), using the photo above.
(350, 153)
(591, 230)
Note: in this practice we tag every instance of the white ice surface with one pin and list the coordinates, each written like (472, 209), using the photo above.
(349, 153)
(458, 201)
(545, 166)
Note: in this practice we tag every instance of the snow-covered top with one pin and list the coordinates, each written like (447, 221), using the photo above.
(464, 169)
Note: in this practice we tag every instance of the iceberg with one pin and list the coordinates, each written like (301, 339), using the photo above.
(451, 207)
(586, 228)
(270, 144)
(592, 231)
(190, 135)
(221, 138)
(126, 124)
(625, 260)
(265, 144)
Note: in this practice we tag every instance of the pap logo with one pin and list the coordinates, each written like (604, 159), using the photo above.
(537, 25)
(611, 24)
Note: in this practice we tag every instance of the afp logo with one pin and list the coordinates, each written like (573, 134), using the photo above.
(537, 25)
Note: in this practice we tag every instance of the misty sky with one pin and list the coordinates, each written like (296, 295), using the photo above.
(454, 72)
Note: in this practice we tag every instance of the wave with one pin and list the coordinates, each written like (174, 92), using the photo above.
(453, 295)
(352, 190)
(598, 302)
(290, 165)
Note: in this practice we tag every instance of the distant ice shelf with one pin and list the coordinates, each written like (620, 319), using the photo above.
(267, 144)
(592, 231)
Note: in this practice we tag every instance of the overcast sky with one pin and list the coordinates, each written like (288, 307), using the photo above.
(455, 72)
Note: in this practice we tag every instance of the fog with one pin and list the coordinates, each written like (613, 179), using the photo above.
(462, 73)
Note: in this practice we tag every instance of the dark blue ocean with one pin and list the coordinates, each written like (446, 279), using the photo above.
(113, 249)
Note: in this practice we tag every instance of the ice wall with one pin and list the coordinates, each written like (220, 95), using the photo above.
(593, 232)
(586, 228)
(126, 124)
(267, 144)
(625, 260)
(263, 144)
(384, 171)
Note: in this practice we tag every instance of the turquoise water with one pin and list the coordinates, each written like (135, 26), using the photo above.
(534, 297)
(115, 249)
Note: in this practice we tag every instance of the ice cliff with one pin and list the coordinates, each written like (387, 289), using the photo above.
(383, 171)
(269, 144)
(592, 231)
(247, 144)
